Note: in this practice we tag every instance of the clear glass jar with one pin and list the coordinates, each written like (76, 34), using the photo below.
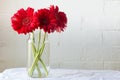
(38, 54)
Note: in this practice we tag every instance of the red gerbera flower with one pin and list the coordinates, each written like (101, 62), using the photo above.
(22, 21)
(45, 21)
(61, 19)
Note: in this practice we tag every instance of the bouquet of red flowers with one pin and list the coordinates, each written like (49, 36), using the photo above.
(47, 20)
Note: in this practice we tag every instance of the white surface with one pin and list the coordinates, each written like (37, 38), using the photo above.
(63, 74)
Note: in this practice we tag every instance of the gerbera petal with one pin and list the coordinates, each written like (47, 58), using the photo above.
(60, 17)
(30, 11)
(22, 20)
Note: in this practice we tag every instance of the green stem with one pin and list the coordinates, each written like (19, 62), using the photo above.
(34, 49)
(34, 53)
(43, 45)
(38, 69)
(33, 38)
(31, 69)
(39, 37)
(42, 49)
(44, 66)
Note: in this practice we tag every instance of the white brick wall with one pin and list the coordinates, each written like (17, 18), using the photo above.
(91, 40)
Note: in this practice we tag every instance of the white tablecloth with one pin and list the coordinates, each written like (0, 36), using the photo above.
(62, 74)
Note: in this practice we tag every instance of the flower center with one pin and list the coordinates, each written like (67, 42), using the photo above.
(26, 21)
(44, 21)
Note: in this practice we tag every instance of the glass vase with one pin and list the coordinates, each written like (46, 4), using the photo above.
(38, 54)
